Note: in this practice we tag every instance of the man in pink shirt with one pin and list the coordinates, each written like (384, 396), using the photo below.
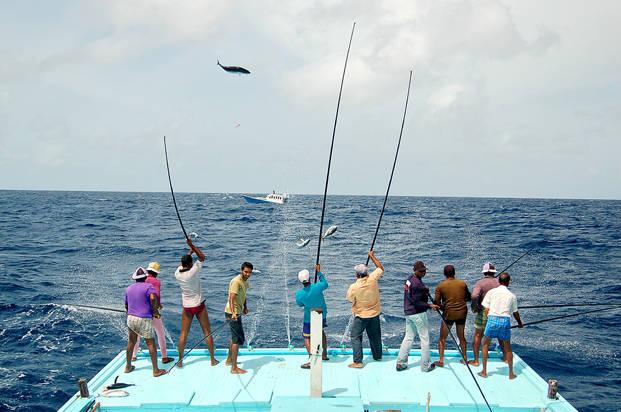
(481, 288)
(152, 271)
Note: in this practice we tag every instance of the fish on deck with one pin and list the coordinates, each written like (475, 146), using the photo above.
(234, 69)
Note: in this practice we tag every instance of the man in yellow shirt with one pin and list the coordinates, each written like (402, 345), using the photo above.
(235, 307)
(364, 296)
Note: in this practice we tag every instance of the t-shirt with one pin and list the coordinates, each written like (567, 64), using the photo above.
(364, 295)
(415, 296)
(156, 284)
(453, 294)
(480, 290)
(239, 287)
(137, 299)
(190, 283)
(311, 297)
(500, 302)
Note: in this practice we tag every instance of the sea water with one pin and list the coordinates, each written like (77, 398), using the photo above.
(61, 248)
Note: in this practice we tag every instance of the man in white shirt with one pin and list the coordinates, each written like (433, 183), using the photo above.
(192, 301)
(499, 304)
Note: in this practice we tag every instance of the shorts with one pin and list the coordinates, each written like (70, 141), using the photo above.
(237, 329)
(306, 328)
(141, 326)
(459, 322)
(480, 321)
(195, 310)
(498, 327)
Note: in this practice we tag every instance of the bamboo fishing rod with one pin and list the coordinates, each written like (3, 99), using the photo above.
(325, 191)
(565, 316)
(394, 163)
(569, 305)
(172, 192)
(514, 262)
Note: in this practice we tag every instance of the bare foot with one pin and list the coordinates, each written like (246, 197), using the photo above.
(439, 363)
(129, 368)
(134, 359)
(158, 372)
(214, 362)
(473, 362)
(483, 374)
(228, 362)
(512, 376)
(238, 371)
(180, 364)
(356, 365)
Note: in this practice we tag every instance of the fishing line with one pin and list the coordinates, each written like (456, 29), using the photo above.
(325, 191)
(394, 163)
(514, 262)
(172, 192)
(566, 316)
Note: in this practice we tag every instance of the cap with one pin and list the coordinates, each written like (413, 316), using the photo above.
(361, 269)
(489, 268)
(419, 266)
(140, 273)
(304, 276)
(154, 267)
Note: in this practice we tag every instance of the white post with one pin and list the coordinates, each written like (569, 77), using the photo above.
(316, 346)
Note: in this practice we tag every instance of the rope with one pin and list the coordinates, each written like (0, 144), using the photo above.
(172, 192)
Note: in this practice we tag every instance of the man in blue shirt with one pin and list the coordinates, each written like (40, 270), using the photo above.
(310, 297)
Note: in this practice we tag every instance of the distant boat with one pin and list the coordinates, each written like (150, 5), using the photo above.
(271, 198)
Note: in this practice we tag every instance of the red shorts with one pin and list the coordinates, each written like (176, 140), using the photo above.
(195, 310)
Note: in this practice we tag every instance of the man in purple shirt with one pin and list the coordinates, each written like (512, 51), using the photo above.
(142, 305)
(481, 288)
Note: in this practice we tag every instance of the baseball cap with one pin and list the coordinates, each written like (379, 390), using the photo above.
(304, 276)
(489, 268)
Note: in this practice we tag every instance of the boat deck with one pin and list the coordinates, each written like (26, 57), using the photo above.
(275, 382)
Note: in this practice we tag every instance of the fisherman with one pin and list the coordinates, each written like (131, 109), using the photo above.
(364, 296)
(481, 288)
(499, 304)
(192, 301)
(451, 295)
(236, 305)
(141, 306)
(152, 271)
(415, 306)
(310, 297)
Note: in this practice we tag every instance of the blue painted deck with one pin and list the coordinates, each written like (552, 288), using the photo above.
(275, 382)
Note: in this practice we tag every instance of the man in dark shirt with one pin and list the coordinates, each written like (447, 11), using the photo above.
(415, 307)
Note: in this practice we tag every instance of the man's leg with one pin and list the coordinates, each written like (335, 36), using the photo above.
(153, 354)
(476, 346)
(442, 343)
(357, 328)
(486, 342)
(406, 344)
(203, 319)
(131, 342)
(506, 346)
(374, 333)
(324, 343)
(461, 335)
(237, 338)
(136, 348)
(421, 322)
(186, 322)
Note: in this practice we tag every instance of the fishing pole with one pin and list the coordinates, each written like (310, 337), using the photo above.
(394, 163)
(464, 357)
(565, 316)
(198, 343)
(172, 192)
(514, 262)
(569, 305)
(325, 191)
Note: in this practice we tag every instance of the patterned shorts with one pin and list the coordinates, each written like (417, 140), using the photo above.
(480, 321)
(498, 327)
(142, 326)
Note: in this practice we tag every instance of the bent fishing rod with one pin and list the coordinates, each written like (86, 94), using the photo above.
(172, 192)
(394, 163)
(514, 262)
(336, 117)
(198, 343)
(569, 305)
(565, 316)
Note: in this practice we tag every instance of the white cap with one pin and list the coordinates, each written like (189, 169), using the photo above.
(140, 273)
(361, 269)
(489, 268)
(304, 276)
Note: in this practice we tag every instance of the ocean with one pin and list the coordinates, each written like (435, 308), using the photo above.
(63, 248)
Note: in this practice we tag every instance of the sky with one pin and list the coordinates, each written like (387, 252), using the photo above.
(509, 98)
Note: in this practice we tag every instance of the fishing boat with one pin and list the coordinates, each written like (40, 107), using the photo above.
(275, 382)
(271, 198)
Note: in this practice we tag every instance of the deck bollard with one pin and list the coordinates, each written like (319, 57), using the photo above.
(83, 385)
(552, 388)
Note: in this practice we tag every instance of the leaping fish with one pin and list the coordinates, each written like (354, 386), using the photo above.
(234, 69)
(329, 232)
(302, 242)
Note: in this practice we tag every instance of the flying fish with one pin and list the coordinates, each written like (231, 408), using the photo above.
(234, 69)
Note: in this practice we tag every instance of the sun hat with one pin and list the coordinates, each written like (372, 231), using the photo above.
(304, 276)
(140, 273)
(489, 268)
(361, 269)
(419, 266)
(154, 267)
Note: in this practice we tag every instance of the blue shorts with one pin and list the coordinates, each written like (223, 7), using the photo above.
(306, 328)
(498, 327)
